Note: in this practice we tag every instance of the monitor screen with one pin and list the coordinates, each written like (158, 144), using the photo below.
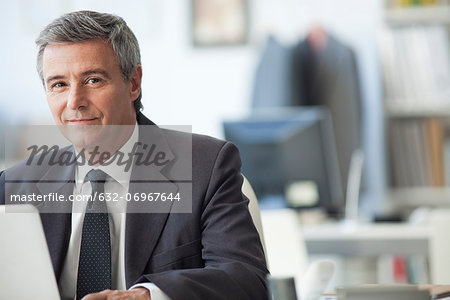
(290, 152)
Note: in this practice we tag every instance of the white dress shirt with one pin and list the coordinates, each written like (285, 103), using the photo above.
(118, 182)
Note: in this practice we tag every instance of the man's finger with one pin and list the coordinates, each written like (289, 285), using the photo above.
(103, 295)
(136, 293)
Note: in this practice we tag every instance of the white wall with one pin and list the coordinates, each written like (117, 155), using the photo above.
(185, 85)
(181, 84)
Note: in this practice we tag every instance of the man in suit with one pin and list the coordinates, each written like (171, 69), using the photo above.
(89, 64)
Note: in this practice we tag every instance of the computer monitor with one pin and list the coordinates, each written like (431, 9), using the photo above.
(290, 152)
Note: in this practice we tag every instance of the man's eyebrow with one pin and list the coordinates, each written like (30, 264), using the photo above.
(51, 78)
(84, 74)
(95, 71)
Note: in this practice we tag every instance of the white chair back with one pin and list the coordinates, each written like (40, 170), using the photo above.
(253, 207)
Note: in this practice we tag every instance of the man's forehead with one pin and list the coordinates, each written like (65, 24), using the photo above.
(66, 49)
(78, 57)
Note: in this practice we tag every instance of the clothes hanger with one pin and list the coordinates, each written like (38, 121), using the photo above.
(317, 38)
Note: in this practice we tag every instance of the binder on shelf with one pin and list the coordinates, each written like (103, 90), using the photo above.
(435, 142)
(398, 292)
(416, 67)
(419, 152)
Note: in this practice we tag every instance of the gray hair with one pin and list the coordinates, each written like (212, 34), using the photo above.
(87, 25)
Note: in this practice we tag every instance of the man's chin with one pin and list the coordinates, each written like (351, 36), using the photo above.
(97, 138)
(84, 136)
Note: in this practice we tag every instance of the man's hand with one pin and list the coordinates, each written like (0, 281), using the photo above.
(134, 294)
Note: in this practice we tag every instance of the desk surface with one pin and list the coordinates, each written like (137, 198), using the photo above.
(366, 239)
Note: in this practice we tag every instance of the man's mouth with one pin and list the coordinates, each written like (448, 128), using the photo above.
(81, 121)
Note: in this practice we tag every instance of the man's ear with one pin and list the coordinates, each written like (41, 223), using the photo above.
(135, 82)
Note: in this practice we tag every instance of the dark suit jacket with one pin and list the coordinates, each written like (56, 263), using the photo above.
(331, 79)
(275, 81)
(212, 253)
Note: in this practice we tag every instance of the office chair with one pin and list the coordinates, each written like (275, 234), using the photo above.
(280, 236)
(253, 207)
(285, 250)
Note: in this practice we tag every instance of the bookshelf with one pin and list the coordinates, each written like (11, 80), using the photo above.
(418, 14)
(401, 112)
(415, 60)
(369, 253)
(413, 197)
(415, 57)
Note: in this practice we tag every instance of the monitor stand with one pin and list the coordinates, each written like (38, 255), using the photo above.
(353, 187)
(272, 202)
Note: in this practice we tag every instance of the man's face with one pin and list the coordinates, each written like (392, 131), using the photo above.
(85, 86)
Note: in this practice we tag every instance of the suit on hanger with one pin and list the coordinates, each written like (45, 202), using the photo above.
(330, 78)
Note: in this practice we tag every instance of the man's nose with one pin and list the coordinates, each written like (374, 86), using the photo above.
(77, 98)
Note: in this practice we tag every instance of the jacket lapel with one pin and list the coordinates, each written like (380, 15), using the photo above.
(142, 233)
(56, 216)
(145, 220)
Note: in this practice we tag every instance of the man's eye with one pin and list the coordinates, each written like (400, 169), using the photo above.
(93, 80)
(58, 85)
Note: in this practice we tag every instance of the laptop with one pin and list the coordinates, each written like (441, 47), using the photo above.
(26, 269)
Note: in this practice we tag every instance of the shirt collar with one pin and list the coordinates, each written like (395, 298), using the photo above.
(118, 173)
